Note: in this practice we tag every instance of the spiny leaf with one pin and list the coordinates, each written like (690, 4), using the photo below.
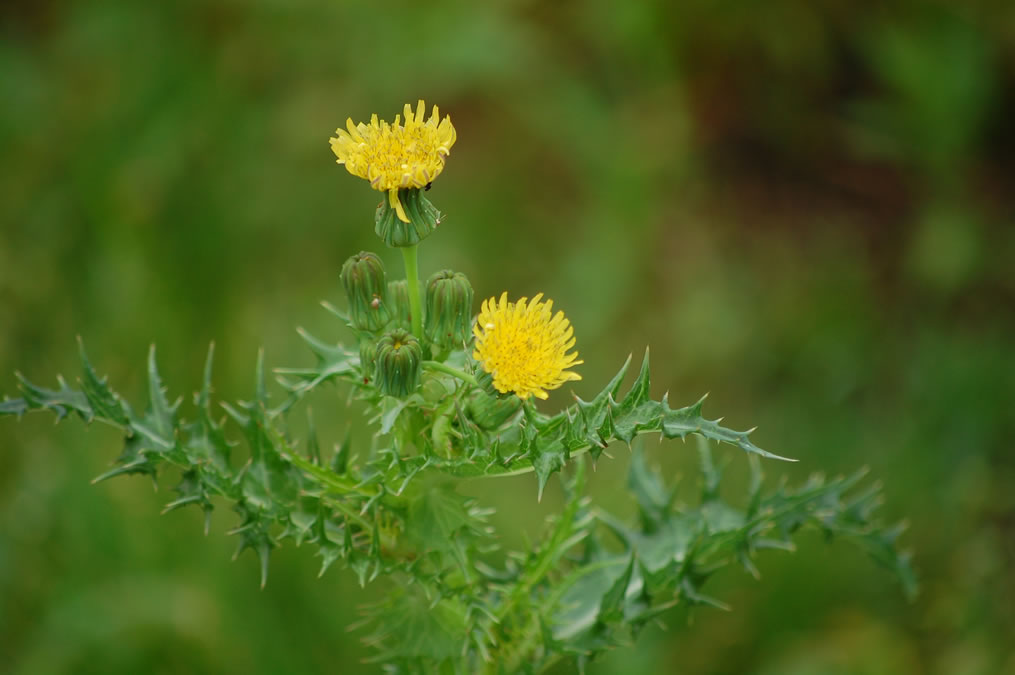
(313, 447)
(548, 460)
(611, 607)
(589, 426)
(161, 415)
(340, 459)
(104, 402)
(649, 490)
(640, 388)
(13, 406)
(436, 514)
(333, 361)
(409, 626)
(60, 401)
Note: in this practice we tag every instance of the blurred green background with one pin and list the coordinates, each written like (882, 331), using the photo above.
(805, 208)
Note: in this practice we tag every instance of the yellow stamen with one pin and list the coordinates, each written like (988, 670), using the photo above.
(524, 346)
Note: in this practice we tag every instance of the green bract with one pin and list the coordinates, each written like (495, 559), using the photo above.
(397, 363)
(367, 291)
(423, 219)
(448, 314)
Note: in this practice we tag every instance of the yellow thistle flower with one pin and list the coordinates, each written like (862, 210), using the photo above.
(524, 346)
(396, 156)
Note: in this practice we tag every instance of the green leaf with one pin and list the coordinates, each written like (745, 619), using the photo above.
(409, 626)
(104, 402)
(333, 362)
(611, 607)
(13, 406)
(436, 515)
(548, 460)
(654, 499)
(60, 401)
(588, 426)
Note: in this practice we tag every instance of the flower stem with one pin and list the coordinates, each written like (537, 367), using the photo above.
(454, 372)
(410, 255)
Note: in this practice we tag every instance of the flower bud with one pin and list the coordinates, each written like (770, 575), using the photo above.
(399, 356)
(448, 309)
(398, 300)
(423, 219)
(368, 357)
(489, 412)
(367, 291)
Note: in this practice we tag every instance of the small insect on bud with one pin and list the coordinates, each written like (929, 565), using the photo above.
(367, 291)
(398, 363)
(448, 309)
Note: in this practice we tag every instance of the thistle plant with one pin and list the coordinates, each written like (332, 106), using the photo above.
(451, 397)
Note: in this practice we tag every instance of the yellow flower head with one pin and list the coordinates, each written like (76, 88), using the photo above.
(396, 156)
(524, 346)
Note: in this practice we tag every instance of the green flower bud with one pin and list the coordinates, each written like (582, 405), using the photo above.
(399, 356)
(423, 219)
(368, 358)
(489, 412)
(367, 291)
(448, 309)
(398, 298)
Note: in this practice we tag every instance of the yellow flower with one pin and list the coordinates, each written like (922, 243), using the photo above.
(524, 346)
(396, 156)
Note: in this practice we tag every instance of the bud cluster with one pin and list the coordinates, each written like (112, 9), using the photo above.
(381, 311)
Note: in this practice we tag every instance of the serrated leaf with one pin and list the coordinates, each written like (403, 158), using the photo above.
(391, 408)
(692, 595)
(161, 416)
(640, 389)
(59, 401)
(710, 474)
(647, 486)
(611, 607)
(410, 626)
(548, 460)
(13, 406)
(436, 515)
(104, 402)
(340, 459)
(589, 426)
(333, 361)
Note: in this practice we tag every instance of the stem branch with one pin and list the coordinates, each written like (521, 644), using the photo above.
(454, 372)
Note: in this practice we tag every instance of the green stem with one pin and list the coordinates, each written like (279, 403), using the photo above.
(454, 372)
(410, 255)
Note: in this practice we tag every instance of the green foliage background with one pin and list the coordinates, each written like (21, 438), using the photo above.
(804, 208)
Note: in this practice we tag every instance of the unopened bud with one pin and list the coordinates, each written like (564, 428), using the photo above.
(367, 291)
(398, 361)
(368, 358)
(448, 309)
